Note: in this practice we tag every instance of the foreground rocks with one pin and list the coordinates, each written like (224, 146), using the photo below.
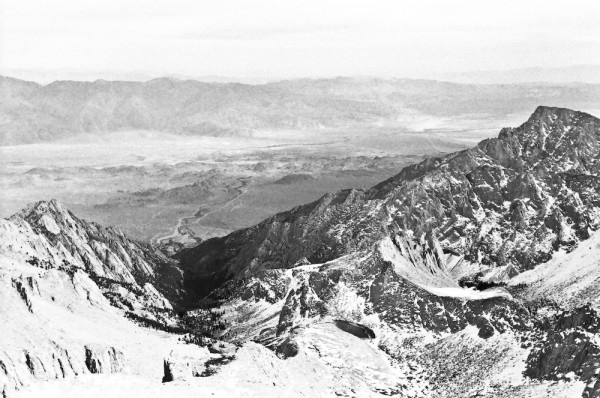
(101, 360)
(289, 348)
(222, 348)
(57, 324)
(52, 361)
(185, 362)
(570, 349)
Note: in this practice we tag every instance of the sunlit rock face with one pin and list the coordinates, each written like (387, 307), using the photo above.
(570, 349)
(48, 236)
(434, 283)
(66, 284)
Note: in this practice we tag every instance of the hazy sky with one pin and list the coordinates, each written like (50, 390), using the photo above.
(281, 38)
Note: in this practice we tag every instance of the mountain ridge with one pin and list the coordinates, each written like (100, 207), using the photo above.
(47, 235)
(31, 113)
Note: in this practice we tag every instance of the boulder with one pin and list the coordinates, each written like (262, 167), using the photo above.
(355, 329)
(103, 360)
(185, 362)
(289, 348)
(223, 348)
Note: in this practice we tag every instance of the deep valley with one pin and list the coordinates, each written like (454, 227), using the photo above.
(454, 270)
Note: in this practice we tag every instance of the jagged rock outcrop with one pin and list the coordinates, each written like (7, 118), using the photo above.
(132, 275)
(289, 348)
(491, 202)
(50, 361)
(569, 350)
(185, 362)
(101, 360)
(59, 277)
(56, 324)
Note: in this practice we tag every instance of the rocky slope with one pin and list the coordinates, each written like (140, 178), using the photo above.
(59, 277)
(439, 282)
(134, 275)
(441, 340)
(58, 325)
(569, 279)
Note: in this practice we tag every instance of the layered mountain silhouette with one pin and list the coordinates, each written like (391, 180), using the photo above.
(466, 275)
(30, 112)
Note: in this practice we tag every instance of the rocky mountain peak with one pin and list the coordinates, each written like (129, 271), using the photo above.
(37, 209)
(550, 114)
(49, 216)
(48, 236)
(555, 138)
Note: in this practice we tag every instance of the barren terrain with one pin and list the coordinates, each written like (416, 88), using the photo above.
(180, 189)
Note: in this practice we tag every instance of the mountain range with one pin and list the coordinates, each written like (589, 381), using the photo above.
(574, 73)
(30, 112)
(471, 274)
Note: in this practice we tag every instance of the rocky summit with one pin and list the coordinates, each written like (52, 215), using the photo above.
(469, 275)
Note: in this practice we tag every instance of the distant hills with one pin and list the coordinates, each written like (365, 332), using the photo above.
(589, 74)
(30, 112)
(569, 74)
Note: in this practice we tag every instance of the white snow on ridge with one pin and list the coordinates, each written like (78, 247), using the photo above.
(468, 294)
(570, 279)
(440, 283)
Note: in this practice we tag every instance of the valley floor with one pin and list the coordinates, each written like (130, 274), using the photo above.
(145, 189)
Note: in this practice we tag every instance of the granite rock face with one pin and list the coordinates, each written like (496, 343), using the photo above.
(185, 362)
(131, 274)
(56, 324)
(53, 361)
(100, 360)
(60, 274)
(570, 349)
